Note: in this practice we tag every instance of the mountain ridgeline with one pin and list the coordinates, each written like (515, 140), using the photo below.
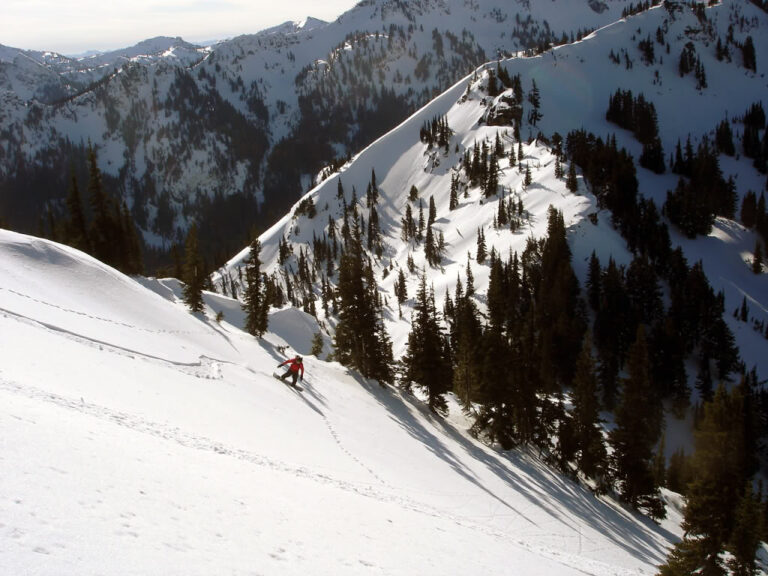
(233, 133)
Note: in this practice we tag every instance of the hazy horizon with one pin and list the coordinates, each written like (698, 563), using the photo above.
(85, 26)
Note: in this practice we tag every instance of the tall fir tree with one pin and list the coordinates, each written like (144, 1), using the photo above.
(425, 363)
(76, 229)
(255, 303)
(534, 97)
(194, 274)
(466, 338)
(715, 492)
(586, 415)
(361, 339)
(132, 262)
(101, 234)
(638, 428)
(571, 183)
(482, 250)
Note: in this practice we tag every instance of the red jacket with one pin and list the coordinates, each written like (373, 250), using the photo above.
(295, 366)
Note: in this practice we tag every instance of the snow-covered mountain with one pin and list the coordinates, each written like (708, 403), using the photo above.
(140, 439)
(179, 128)
(575, 90)
(221, 468)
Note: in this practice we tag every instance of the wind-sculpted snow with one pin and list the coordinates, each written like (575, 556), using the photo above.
(157, 450)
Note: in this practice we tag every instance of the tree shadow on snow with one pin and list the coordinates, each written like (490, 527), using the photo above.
(522, 473)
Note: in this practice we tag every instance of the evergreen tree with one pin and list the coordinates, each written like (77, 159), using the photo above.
(432, 212)
(131, 244)
(454, 196)
(678, 472)
(424, 361)
(76, 229)
(317, 344)
(420, 230)
(492, 180)
(481, 247)
(594, 282)
(527, 179)
(361, 340)
(724, 138)
(746, 535)
(256, 305)
(586, 415)
(757, 259)
(748, 54)
(401, 288)
(613, 329)
(194, 273)
(714, 493)
(559, 308)
(534, 97)
(101, 234)
(638, 427)
(466, 339)
(749, 209)
(571, 182)
(408, 225)
(470, 279)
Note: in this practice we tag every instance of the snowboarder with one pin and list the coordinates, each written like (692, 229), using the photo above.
(296, 365)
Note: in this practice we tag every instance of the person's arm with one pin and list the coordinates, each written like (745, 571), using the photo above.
(302, 370)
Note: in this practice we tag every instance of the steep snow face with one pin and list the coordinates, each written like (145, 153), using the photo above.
(140, 439)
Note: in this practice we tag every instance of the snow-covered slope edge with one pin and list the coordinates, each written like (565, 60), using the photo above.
(140, 439)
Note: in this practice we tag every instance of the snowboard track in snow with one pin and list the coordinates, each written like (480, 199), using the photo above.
(87, 315)
(141, 425)
(202, 368)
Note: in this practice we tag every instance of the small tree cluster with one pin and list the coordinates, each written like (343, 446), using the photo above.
(436, 132)
(703, 194)
(105, 229)
(482, 167)
(639, 116)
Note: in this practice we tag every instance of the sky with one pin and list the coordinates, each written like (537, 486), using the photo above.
(78, 26)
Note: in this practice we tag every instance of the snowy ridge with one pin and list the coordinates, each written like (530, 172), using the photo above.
(219, 467)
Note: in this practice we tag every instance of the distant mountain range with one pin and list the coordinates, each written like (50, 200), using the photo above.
(234, 132)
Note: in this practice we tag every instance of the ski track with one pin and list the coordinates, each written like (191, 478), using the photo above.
(206, 367)
(385, 493)
(90, 316)
(209, 368)
(337, 439)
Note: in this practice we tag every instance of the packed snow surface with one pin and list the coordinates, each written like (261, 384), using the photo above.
(137, 438)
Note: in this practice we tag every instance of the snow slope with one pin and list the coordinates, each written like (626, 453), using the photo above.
(140, 439)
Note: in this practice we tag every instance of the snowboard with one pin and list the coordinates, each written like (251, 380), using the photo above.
(288, 383)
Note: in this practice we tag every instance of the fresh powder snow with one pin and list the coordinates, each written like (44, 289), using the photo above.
(138, 438)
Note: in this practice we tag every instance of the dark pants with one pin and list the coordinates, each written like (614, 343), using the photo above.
(289, 373)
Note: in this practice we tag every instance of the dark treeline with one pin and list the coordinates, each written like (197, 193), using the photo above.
(98, 224)
(639, 116)
(635, 332)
